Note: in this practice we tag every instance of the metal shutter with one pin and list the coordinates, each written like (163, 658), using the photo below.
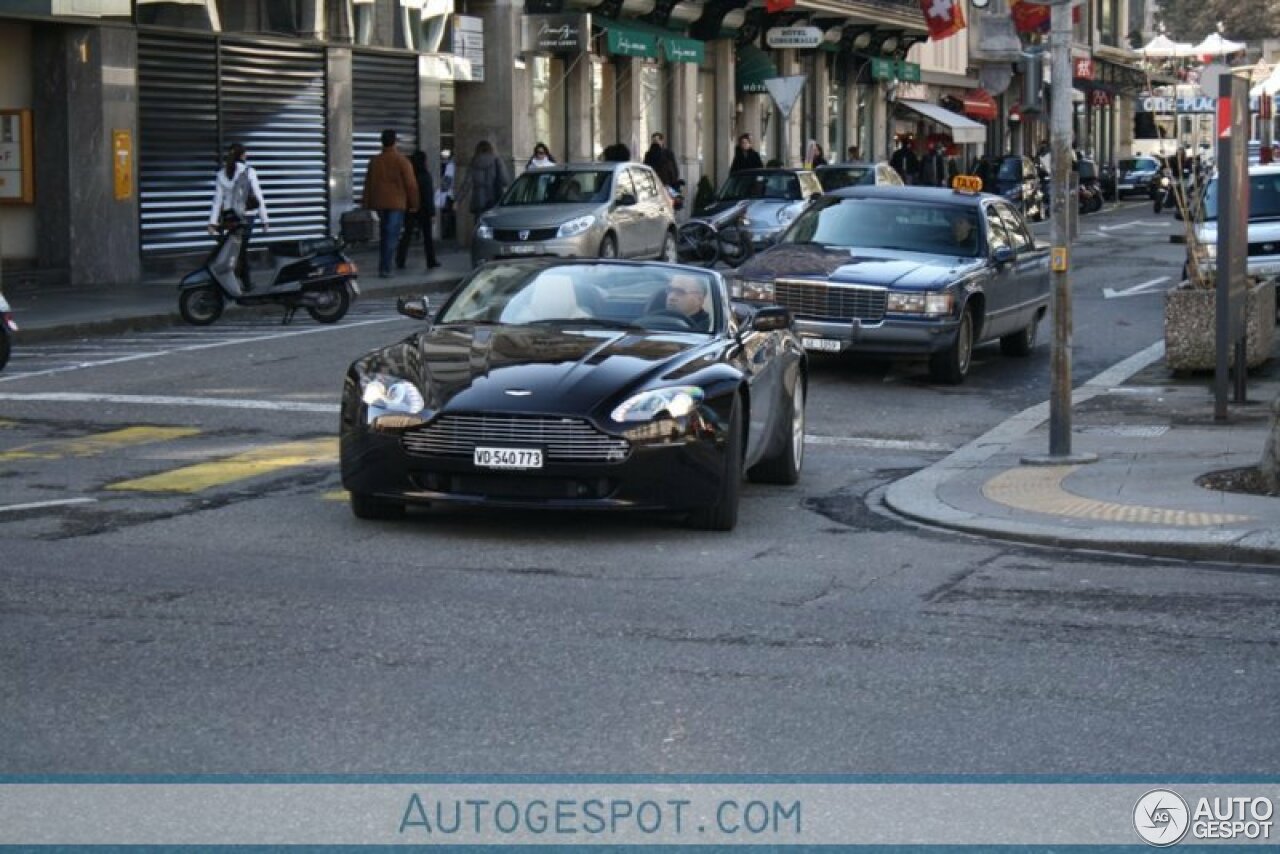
(384, 95)
(177, 140)
(197, 96)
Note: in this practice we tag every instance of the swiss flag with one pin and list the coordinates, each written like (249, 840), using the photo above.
(944, 17)
(1035, 17)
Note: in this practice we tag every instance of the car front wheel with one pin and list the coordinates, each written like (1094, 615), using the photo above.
(952, 364)
(722, 514)
(1023, 342)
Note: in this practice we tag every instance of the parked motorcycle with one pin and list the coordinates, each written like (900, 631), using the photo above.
(1090, 192)
(8, 327)
(1162, 193)
(311, 274)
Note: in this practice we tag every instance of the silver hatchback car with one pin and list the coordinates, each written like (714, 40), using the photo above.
(606, 210)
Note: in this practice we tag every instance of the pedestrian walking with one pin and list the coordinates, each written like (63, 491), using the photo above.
(744, 156)
(238, 202)
(392, 191)
(905, 162)
(933, 169)
(486, 179)
(420, 220)
(541, 158)
(814, 156)
(616, 153)
(662, 160)
(853, 155)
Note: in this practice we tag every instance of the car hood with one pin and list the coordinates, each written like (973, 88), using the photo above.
(1138, 173)
(765, 211)
(860, 266)
(1260, 231)
(531, 368)
(539, 216)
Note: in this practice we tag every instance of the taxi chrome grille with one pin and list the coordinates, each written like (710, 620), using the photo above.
(565, 440)
(826, 300)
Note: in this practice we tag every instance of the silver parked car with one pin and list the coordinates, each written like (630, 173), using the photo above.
(606, 210)
(769, 200)
(837, 176)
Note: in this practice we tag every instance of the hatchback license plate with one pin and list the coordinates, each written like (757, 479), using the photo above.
(523, 249)
(508, 458)
(825, 345)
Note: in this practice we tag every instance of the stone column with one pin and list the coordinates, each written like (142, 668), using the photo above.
(724, 127)
(579, 110)
(627, 87)
(792, 130)
(818, 85)
(339, 133)
(682, 136)
(88, 91)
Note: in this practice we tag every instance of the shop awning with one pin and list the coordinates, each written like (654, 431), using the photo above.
(626, 39)
(979, 104)
(752, 67)
(680, 49)
(962, 130)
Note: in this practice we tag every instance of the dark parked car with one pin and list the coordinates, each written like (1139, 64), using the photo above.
(578, 385)
(1017, 178)
(1134, 176)
(770, 199)
(907, 271)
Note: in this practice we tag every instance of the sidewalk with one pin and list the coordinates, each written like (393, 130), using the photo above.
(1154, 436)
(58, 312)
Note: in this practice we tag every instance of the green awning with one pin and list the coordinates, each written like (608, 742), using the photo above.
(683, 50)
(626, 39)
(752, 67)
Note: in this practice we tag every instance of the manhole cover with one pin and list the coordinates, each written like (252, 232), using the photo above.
(1130, 431)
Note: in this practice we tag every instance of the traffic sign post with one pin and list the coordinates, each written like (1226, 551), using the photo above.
(1233, 241)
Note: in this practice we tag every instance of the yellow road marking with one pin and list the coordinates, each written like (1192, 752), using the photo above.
(1039, 489)
(5, 422)
(97, 443)
(254, 463)
(336, 495)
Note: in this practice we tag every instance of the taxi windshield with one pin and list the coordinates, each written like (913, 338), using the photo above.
(891, 225)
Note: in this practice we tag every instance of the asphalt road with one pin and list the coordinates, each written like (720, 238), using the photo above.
(183, 589)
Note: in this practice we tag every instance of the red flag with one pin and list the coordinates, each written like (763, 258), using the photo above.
(943, 17)
(772, 6)
(1036, 17)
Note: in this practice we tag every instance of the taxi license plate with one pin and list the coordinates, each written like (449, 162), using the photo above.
(523, 249)
(508, 458)
(824, 345)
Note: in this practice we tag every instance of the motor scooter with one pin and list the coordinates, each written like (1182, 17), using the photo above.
(8, 326)
(311, 274)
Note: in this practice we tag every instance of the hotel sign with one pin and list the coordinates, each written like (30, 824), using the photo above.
(793, 37)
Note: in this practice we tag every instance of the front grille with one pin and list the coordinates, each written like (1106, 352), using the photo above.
(512, 235)
(525, 487)
(1269, 247)
(841, 302)
(564, 440)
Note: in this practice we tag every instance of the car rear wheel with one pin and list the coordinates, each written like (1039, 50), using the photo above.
(784, 466)
(1021, 343)
(722, 514)
(364, 506)
(609, 247)
(952, 364)
(669, 252)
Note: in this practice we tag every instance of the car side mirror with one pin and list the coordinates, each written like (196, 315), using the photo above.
(626, 200)
(771, 318)
(1003, 254)
(418, 308)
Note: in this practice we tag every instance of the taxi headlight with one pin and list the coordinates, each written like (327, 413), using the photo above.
(484, 231)
(930, 303)
(387, 395)
(756, 290)
(676, 401)
(576, 226)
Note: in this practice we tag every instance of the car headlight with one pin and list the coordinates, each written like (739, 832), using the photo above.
(676, 401)
(755, 290)
(785, 215)
(391, 396)
(484, 231)
(927, 303)
(576, 226)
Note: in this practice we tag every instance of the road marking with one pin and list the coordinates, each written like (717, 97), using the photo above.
(1039, 489)
(167, 400)
(252, 463)
(1110, 293)
(97, 443)
(1120, 226)
(38, 505)
(886, 444)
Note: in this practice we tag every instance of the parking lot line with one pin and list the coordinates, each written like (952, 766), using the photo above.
(253, 463)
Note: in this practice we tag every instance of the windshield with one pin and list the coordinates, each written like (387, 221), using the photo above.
(1138, 164)
(643, 296)
(1264, 197)
(548, 187)
(846, 176)
(779, 185)
(889, 225)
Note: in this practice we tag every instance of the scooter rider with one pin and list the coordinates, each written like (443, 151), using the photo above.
(237, 196)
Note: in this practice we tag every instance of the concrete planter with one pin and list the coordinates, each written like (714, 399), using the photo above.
(1189, 334)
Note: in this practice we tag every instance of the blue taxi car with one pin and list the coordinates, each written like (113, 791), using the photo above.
(907, 272)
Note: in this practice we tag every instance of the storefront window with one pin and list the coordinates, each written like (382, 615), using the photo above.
(835, 119)
(540, 102)
(201, 16)
(605, 97)
(653, 102)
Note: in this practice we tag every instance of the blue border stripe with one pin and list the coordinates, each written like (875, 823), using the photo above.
(646, 779)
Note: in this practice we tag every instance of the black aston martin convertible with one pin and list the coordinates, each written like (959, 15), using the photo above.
(578, 384)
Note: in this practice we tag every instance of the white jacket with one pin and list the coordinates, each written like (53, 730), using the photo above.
(222, 194)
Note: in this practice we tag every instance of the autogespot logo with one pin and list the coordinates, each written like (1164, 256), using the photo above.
(1161, 817)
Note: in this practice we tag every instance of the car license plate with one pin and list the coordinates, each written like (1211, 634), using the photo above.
(508, 458)
(1126, 186)
(824, 345)
(523, 249)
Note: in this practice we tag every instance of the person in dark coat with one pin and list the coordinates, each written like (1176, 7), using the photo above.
(662, 160)
(933, 170)
(744, 156)
(905, 162)
(391, 190)
(420, 220)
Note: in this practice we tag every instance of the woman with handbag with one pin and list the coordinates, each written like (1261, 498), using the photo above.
(237, 197)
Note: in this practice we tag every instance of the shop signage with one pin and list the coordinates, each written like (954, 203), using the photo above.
(557, 34)
(468, 46)
(683, 50)
(894, 69)
(1083, 68)
(1101, 98)
(793, 37)
(626, 42)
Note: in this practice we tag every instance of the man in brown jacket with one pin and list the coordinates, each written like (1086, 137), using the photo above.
(390, 189)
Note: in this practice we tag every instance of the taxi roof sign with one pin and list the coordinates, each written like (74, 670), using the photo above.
(966, 184)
